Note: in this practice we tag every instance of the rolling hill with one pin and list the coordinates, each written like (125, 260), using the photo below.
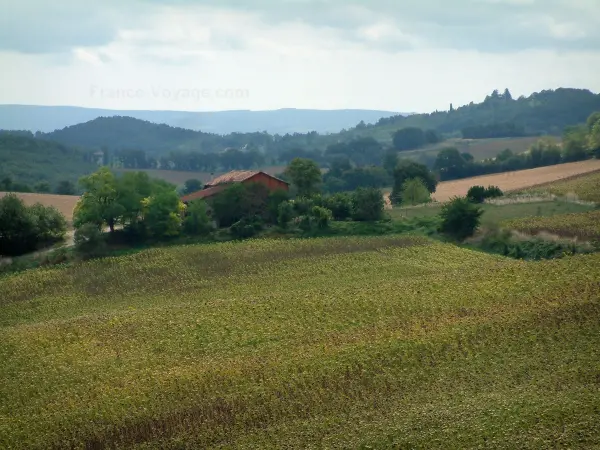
(49, 118)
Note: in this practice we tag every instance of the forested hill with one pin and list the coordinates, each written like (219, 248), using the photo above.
(545, 112)
(499, 115)
(27, 160)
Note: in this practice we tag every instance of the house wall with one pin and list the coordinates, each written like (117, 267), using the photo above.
(272, 183)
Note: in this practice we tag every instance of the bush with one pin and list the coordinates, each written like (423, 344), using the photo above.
(246, 227)
(367, 204)
(89, 241)
(320, 217)
(414, 192)
(285, 214)
(23, 229)
(340, 206)
(476, 194)
(493, 192)
(460, 218)
(197, 222)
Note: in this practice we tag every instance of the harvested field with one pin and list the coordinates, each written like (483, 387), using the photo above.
(64, 203)
(513, 181)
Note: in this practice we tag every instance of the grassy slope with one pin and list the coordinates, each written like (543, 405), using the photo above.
(316, 343)
(584, 225)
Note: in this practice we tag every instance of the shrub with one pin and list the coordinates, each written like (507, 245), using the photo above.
(320, 217)
(340, 205)
(414, 192)
(493, 192)
(476, 194)
(246, 227)
(89, 241)
(367, 204)
(460, 218)
(23, 229)
(197, 222)
(285, 214)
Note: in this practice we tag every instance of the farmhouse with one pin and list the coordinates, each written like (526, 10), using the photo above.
(236, 176)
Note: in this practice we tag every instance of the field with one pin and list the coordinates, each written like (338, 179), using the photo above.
(580, 225)
(388, 342)
(479, 148)
(494, 214)
(518, 180)
(584, 187)
(179, 177)
(64, 203)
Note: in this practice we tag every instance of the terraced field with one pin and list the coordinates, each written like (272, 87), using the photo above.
(388, 342)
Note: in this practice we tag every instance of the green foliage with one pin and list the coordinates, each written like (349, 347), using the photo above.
(370, 176)
(460, 218)
(100, 202)
(367, 204)
(192, 185)
(305, 175)
(575, 142)
(285, 213)
(340, 205)
(407, 170)
(274, 200)
(89, 241)
(27, 161)
(242, 200)
(24, 229)
(493, 192)
(66, 187)
(476, 194)
(320, 217)
(414, 192)
(246, 227)
(162, 214)
(42, 187)
(196, 221)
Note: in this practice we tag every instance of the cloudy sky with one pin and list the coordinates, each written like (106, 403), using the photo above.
(398, 55)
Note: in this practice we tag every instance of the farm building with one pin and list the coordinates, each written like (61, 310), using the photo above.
(216, 185)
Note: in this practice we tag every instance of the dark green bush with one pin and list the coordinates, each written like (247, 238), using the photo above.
(246, 227)
(493, 192)
(476, 194)
(367, 204)
(340, 205)
(460, 218)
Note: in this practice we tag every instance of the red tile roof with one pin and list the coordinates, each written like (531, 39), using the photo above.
(204, 193)
(235, 176)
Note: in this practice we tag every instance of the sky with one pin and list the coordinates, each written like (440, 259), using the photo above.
(394, 55)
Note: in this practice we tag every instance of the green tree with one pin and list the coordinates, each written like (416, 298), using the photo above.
(100, 202)
(162, 214)
(575, 143)
(390, 160)
(196, 220)
(367, 204)
(414, 192)
(408, 138)
(460, 218)
(340, 205)
(450, 163)
(42, 187)
(285, 214)
(66, 187)
(305, 175)
(49, 223)
(192, 185)
(406, 170)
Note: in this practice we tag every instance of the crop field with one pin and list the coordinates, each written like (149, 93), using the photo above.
(584, 187)
(580, 225)
(64, 203)
(518, 180)
(494, 214)
(387, 342)
(479, 148)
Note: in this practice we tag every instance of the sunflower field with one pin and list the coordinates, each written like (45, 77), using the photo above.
(366, 342)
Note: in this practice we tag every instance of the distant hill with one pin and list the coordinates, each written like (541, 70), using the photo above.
(25, 159)
(281, 121)
(545, 112)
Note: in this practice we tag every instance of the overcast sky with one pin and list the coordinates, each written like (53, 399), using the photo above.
(398, 55)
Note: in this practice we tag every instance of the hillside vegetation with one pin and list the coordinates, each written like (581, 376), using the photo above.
(585, 187)
(338, 343)
(31, 161)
